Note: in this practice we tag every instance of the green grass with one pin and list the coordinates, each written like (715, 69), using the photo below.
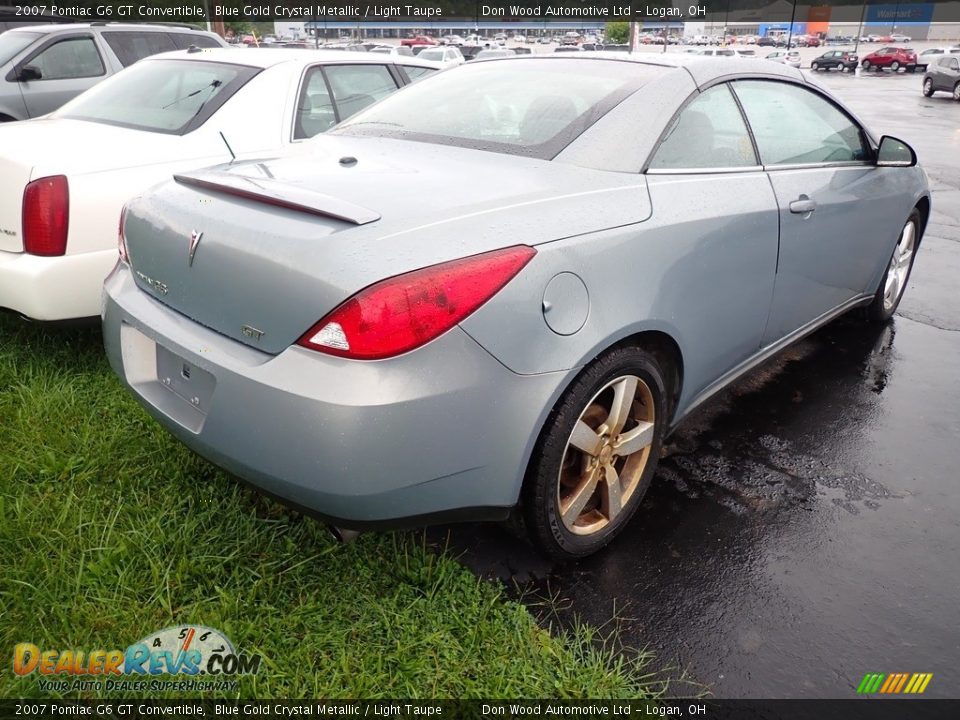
(110, 530)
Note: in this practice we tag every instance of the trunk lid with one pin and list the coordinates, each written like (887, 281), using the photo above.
(279, 244)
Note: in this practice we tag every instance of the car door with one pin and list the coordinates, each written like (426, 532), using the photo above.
(948, 73)
(839, 213)
(68, 65)
(713, 204)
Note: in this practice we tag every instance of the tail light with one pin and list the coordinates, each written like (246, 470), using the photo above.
(46, 216)
(404, 312)
(122, 237)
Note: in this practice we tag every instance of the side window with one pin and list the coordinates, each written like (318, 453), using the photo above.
(67, 59)
(184, 40)
(417, 73)
(132, 46)
(793, 125)
(357, 86)
(709, 133)
(314, 113)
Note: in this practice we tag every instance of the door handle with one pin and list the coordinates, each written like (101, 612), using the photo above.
(803, 205)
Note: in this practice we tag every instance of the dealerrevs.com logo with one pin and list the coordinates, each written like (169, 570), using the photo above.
(192, 651)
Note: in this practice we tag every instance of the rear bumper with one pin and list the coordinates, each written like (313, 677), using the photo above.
(54, 288)
(444, 431)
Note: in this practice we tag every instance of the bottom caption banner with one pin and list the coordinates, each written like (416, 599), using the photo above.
(468, 709)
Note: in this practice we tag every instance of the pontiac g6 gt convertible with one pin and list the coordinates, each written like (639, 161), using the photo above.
(504, 303)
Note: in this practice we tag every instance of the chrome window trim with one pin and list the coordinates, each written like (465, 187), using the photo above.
(705, 170)
(806, 166)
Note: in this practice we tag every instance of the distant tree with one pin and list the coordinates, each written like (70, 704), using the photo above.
(617, 32)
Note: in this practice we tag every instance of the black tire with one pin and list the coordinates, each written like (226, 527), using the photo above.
(876, 311)
(928, 87)
(895, 66)
(865, 65)
(814, 66)
(956, 92)
(540, 498)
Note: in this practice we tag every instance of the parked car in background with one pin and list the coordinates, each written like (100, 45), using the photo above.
(943, 75)
(520, 38)
(570, 38)
(745, 53)
(419, 40)
(453, 40)
(927, 56)
(447, 57)
(844, 60)
(44, 66)
(893, 58)
(497, 52)
(899, 38)
(786, 57)
(65, 177)
(717, 52)
(392, 50)
(376, 376)
(767, 41)
(544, 40)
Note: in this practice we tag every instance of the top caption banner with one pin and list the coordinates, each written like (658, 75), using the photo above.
(593, 11)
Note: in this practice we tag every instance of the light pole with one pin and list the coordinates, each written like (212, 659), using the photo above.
(793, 15)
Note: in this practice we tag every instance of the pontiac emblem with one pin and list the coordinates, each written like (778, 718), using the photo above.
(195, 238)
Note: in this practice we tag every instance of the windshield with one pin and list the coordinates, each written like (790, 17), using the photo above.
(12, 42)
(167, 96)
(530, 107)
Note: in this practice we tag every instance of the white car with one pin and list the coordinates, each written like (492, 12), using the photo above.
(931, 54)
(445, 56)
(452, 40)
(65, 177)
(786, 57)
(900, 38)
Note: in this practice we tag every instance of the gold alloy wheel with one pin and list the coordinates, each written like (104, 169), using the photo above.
(605, 456)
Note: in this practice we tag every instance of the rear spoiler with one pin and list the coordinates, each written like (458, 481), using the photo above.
(280, 194)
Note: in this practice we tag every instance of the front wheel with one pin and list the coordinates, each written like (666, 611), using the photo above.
(814, 66)
(956, 92)
(927, 87)
(596, 455)
(865, 65)
(894, 282)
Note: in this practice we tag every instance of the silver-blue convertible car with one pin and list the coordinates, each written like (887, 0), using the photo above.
(499, 290)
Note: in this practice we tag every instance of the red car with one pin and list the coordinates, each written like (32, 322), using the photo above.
(419, 40)
(890, 57)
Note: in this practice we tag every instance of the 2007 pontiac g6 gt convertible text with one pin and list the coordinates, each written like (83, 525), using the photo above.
(499, 289)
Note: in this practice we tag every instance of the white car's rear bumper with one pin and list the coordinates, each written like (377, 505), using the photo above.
(54, 288)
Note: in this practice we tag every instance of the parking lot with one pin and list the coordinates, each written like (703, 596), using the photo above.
(803, 529)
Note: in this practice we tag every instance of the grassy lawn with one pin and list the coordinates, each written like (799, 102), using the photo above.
(110, 530)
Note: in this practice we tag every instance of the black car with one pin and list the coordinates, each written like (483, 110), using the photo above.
(767, 41)
(843, 59)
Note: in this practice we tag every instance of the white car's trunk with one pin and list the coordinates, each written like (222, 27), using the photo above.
(14, 175)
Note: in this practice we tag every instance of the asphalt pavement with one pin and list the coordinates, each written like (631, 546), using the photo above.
(803, 528)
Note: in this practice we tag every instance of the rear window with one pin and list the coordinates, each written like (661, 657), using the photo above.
(12, 42)
(526, 107)
(166, 96)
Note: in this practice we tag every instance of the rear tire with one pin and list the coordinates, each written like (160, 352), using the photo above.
(592, 465)
(956, 92)
(887, 298)
(927, 87)
(895, 66)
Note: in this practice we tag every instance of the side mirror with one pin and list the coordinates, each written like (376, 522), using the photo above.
(895, 153)
(28, 73)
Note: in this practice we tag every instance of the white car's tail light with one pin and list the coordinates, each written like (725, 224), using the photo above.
(46, 216)
(404, 312)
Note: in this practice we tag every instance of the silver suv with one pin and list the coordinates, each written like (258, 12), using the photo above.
(44, 66)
